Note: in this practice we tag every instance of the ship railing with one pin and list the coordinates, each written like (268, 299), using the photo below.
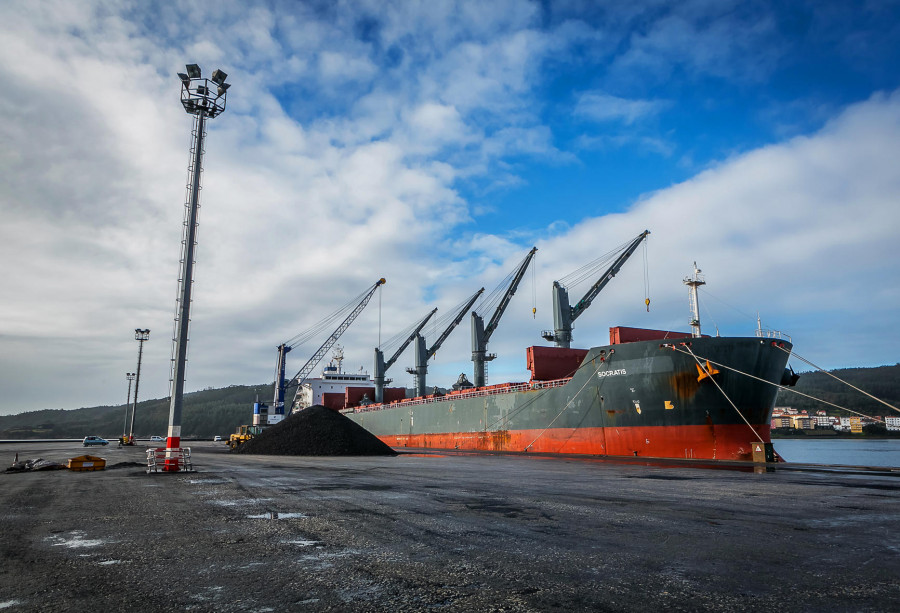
(768, 333)
(476, 393)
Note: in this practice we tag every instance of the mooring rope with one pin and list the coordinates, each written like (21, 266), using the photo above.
(820, 369)
(724, 394)
(781, 387)
(568, 404)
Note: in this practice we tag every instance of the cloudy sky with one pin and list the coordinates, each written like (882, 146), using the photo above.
(433, 143)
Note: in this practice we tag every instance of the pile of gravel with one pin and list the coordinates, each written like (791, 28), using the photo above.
(316, 431)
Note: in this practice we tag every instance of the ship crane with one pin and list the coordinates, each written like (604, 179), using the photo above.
(381, 366)
(284, 348)
(424, 354)
(564, 314)
(307, 369)
(481, 334)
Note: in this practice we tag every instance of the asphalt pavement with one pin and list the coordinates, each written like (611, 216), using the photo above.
(431, 532)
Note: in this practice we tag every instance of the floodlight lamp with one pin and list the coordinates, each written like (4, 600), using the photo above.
(201, 90)
(223, 88)
(193, 70)
(184, 78)
(219, 77)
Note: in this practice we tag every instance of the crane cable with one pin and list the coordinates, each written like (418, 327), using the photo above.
(316, 328)
(781, 387)
(802, 359)
(506, 419)
(588, 271)
(533, 289)
(702, 368)
(567, 405)
(646, 276)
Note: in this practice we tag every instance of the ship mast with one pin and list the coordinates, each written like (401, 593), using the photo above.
(693, 283)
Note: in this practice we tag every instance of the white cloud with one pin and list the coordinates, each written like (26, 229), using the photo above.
(312, 191)
(600, 106)
(804, 231)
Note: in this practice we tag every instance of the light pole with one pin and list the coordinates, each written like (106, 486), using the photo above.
(140, 336)
(202, 98)
(130, 376)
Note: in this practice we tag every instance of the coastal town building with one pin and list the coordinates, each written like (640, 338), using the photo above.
(790, 418)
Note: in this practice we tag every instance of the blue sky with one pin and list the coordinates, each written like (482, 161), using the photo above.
(433, 143)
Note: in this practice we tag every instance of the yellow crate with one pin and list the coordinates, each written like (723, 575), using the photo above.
(87, 462)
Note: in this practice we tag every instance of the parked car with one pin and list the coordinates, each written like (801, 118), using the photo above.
(90, 441)
(156, 439)
(217, 439)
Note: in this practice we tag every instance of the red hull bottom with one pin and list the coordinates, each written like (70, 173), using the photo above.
(724, 442)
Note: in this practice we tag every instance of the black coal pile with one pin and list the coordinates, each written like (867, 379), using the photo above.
(316, 431)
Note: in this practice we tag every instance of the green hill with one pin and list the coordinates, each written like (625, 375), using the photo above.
(205, 414)
(881, 381)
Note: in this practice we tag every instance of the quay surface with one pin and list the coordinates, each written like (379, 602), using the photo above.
(426, 532)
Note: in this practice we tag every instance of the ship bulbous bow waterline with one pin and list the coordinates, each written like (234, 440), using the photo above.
(694, 398)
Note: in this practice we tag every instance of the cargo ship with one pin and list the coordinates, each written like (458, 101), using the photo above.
(695, 398)
(648, 394)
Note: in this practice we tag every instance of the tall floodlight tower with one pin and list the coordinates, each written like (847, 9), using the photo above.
(204, 99)
(130, 377)
(140, 336)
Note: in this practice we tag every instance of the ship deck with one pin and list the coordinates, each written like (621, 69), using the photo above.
(477, 392)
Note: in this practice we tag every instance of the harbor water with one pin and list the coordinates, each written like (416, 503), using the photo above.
(850, 452)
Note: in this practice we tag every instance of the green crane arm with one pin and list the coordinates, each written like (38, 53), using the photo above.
(459, 316)
(605, 278)
(504, 302)
(408, 340)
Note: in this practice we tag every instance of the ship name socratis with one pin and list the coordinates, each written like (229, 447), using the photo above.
(611, 373)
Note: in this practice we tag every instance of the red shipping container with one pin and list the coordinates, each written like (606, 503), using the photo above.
(549, 363)
(623, 334)
(354, 395)
(392, 394)
(333, 400)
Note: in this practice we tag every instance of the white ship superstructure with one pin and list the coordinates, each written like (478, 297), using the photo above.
(333, 381)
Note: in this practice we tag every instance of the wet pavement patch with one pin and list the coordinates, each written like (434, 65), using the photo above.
(74, 540)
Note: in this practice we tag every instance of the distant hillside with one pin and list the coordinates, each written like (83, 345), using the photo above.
(220, 411)
(881, 381)
(205, 414)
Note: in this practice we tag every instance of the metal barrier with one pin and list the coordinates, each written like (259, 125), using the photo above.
(162, 459)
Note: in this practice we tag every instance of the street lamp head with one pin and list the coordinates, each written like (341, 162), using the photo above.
(197, 95)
